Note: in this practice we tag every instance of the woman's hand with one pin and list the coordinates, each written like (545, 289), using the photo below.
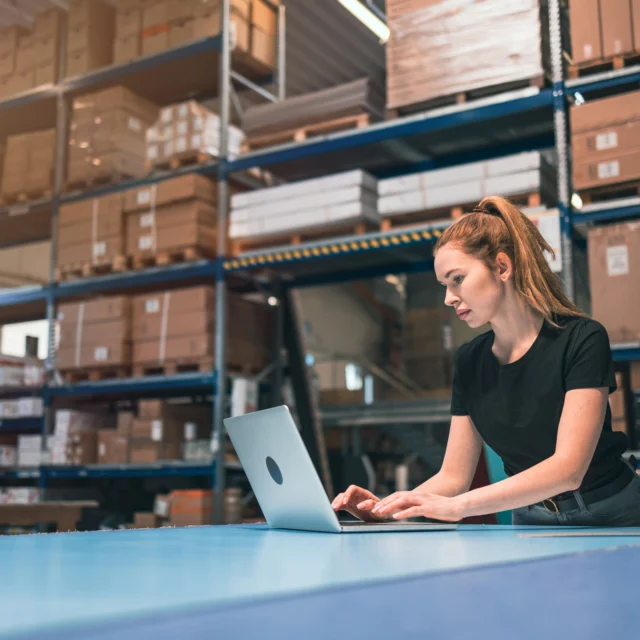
(359, 503)
(410, 504)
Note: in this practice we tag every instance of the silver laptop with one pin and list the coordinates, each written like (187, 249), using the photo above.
(286, 483)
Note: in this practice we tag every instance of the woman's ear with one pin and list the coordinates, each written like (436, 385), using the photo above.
(504, 266)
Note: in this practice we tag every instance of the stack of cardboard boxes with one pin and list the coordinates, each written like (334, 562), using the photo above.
(601, 29)
(28, 165)
(614, 270)
(90, 232)
(188, 128)
(605, 141)
(146, 27)
(95, 334)
(177, 327)
(30, 59)
(441, 48)
(91, 28)
(113, 444)
(172, 215)
(108, 136)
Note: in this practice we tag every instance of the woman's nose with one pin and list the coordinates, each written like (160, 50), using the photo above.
(450, 299)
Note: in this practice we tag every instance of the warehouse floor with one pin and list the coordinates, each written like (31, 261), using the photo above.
(248, 579)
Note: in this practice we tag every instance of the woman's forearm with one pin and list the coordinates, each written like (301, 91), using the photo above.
(548, 478)
(443, 485)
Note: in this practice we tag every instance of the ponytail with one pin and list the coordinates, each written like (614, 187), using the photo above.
(496, 226)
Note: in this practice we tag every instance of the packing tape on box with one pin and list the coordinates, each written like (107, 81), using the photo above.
(79, 327)
(149, 220)
(164, 321)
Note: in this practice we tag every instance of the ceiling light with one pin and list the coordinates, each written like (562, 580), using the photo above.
(368, 18)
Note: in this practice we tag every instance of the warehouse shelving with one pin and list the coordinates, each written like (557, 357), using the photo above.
(20, 424)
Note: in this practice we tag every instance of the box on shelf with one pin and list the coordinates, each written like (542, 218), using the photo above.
(8, 456)
(95, 333)
(28, 164)
(188, 128)
(149, 451)
(195, 507)
(615, 20)
(113, 448)
(192, 187)
(586, 34)
(20, 495)
(614, 268)
(107, 138)
(82, 448)
(91, 231)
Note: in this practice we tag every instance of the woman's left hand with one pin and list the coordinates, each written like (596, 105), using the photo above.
(410, 504)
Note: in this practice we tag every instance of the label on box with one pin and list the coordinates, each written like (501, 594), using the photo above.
(588, 52)
(99, 249)
(102, 449)
(606, 140)
(161, 507)
(183, 128)
(156, 430)
(143, 197)
(189, 431)
(145, 242)
(181, 145)
(608, 169)
(134, 124)
(101, 354)
(152, 306)
(618, 260)
(147, 220)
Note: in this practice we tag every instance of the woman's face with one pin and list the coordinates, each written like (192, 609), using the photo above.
(473, 290)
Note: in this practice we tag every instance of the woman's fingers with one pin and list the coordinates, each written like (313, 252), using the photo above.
(393, 497)
(401, 502)
(356, 494)
(408, 513)
(367, 505)
(337, 502)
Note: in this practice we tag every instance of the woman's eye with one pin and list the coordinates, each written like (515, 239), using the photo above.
(458, 279)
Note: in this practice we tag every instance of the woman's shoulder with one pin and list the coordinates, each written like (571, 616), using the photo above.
(580, 326)
(475, 347)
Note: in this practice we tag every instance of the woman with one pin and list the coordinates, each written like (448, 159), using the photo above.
(535, 388)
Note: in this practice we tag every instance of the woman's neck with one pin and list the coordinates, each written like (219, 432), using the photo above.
(516, 328)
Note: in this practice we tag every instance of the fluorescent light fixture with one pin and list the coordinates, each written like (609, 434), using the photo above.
(368, 18)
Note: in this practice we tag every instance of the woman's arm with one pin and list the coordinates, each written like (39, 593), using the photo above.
(578, 433)
(464, 447)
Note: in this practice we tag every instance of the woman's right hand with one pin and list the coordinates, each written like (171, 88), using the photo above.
(358, 502)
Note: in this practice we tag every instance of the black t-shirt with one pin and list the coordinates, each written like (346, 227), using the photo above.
(516, 407)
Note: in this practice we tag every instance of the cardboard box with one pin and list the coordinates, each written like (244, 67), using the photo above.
(96, 310)
(96, 12)
(615, 18)
(191, 508)
(614, 270)
(127, 48)
(106, 211)
(191, 299)
(157, 429)
(596, 115)
(143, 520)
(180, 412)
(613, 170)
(7, 62)
(176, 324)
(100, 252)
(148, 452)
(9, 38)
(168, 192)
(155, 43)
(46, 74)
(25, 58)
(586, 30)
(635, 14)
(128, 23)
(106, 353)
(263, 17)
(125, 423)
(48, 23)
(93, 333)
(181, 10)
(181, 33)
(106, 438)
(605, 143)
(156, 13)
(188, 348)
(263, 46)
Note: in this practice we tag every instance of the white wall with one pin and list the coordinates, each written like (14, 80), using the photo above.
(13, 337)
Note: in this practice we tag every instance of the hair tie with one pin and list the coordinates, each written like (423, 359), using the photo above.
(489, 212)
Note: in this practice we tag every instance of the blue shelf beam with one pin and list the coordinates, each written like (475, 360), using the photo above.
(11, 425)
(626, 353)
(609, 211)
(160, 470)
(607, 82)
(147, 386)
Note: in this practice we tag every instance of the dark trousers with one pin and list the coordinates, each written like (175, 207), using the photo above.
(620, 510)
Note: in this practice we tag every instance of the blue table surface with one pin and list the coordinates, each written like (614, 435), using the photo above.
(61, 582)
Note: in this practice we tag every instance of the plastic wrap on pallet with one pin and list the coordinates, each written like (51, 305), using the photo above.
(188, 128)
(442, 48)
(350, 197)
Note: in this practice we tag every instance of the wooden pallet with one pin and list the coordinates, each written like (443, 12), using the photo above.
(117, 264)
(610, 192)
(453, 213)
(170, 256)
(25, 196)
(299, 134)
(204, 365)
(98, 181)
(304, 235)
(94, 374)
(178, 160)
(463, 97)
(613, 63)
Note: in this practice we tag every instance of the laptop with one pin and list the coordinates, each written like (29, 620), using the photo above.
(286, 483)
